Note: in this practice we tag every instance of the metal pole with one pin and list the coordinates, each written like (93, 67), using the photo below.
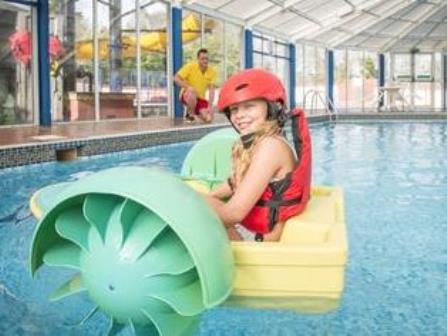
(44, 65)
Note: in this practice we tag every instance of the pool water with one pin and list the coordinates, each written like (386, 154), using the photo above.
(394, 176)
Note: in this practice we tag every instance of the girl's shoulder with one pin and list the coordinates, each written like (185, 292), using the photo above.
(278, 146)
(274, 141)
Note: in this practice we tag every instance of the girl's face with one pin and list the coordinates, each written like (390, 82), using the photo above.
(248, 116)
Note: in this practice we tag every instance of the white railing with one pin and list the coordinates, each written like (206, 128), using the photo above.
(325, 100)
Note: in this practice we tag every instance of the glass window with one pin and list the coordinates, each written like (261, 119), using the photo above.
(402, 67)
(269, 63)
(257, 44)
(423, 76)
(72, 69)
(310, 71)
(191, 35)
(299, 92)
(273, 57)
(340, 93)
(438, 81)
(213, 42)
(153, 43)
(423, 67)
(282, 50)
(282, 70)
(320, 77)
(16, 68)
(370, 79)
(257, 60)
(267, 46)
(233, 38)
(355, 79)
(117, 59)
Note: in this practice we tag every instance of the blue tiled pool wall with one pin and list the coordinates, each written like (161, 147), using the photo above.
(35, 153)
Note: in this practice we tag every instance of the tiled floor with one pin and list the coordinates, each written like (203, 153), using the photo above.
(13, 136)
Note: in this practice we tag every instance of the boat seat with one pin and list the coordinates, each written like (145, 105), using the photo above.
(314, 224)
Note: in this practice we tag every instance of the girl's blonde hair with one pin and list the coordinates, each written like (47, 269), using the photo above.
(242, 157)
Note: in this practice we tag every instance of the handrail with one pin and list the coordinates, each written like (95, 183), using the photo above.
(327, 102)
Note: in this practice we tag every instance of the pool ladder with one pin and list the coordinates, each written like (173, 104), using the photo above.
(327, 102)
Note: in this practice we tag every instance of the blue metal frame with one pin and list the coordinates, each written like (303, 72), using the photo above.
(292, 75)
(381, 75)
(248, 38)
(330, 77)
(43, 63)
(177, 52)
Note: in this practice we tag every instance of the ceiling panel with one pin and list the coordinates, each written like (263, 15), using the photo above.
(340, 22)
(247, 8)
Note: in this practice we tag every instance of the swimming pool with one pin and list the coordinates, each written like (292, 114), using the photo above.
(395, 179)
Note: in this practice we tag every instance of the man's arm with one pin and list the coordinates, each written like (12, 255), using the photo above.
(181, 82)
(212, 89)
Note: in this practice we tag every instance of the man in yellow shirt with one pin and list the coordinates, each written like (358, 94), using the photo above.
(195, 78)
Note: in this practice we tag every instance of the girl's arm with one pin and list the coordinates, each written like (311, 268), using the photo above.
(266, 161)
(222, 191)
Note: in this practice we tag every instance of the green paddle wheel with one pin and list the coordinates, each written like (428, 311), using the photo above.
(147, 249)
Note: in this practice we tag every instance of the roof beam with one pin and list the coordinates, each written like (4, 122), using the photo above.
(226, 3)
(314, 32)
(431, 30)
(269, 12)
(286, 22)
(376, 35)
(370, 13)
(349, 3)
(397, 8)
(440, 45)
(296, 12)
(216, 14)
(406, 30)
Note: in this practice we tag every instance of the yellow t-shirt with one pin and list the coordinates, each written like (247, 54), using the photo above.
(199, 80)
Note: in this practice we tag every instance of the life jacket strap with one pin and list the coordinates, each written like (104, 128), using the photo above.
(276, 203)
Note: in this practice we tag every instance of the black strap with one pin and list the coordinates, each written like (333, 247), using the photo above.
(278, 188)
(248, 139)
(259, 237)
(276, 203)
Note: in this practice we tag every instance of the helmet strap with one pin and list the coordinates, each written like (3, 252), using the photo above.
(248, 139)
(276, 111)
(227, 114)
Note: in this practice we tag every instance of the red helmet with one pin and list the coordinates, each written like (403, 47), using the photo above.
(251, 84)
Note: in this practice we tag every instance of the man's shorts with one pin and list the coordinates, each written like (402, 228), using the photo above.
(201, 104)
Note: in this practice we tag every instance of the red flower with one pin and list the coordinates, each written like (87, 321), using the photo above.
(56, 47)
(20, 44)
(21, 48)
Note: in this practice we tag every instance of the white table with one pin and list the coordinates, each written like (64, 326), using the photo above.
(392, 95)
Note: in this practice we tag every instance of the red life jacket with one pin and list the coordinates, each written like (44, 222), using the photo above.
(287, 197)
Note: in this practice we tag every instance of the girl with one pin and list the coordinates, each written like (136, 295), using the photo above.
(270, 181)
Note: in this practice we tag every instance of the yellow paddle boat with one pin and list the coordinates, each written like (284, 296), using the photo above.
(135, 233)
